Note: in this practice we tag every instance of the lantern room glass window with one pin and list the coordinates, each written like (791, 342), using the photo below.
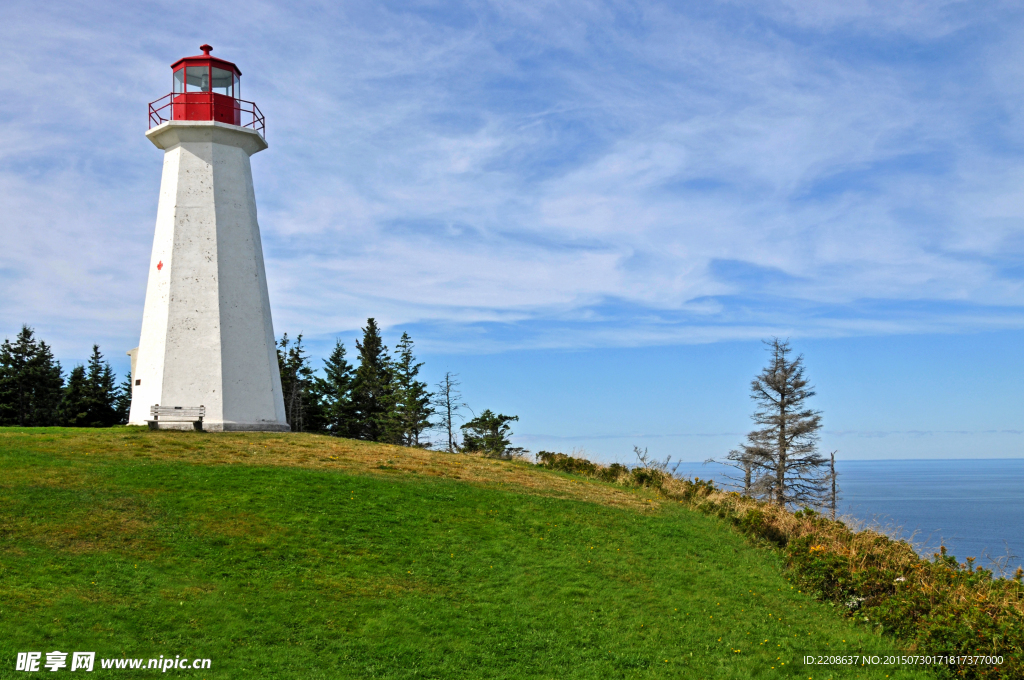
(179, 81)
(197, 78)
(223, 81)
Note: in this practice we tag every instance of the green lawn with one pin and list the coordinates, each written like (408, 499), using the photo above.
(284, 572)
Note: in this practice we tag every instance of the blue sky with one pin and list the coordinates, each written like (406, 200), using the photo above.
(593, 212)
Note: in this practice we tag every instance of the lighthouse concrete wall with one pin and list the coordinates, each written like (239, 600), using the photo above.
(207, 335)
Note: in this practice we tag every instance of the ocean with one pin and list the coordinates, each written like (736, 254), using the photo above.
(973, 507)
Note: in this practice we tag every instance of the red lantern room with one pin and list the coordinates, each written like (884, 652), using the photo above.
(206, 88)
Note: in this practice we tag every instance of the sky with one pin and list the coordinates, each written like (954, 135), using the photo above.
(592, 212)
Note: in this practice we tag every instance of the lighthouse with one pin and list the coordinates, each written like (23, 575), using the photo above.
(207, 344)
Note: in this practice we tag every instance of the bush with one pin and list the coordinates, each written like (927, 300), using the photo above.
(696, 488)
(581, 466)
(647, 477)
(560, 461)
(612, 473)
(650, 474)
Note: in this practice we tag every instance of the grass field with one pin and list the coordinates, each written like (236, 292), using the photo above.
(300, 556)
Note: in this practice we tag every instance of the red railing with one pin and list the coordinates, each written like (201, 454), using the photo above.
(211, 107)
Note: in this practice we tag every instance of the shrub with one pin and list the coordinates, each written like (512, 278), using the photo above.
(581, 466)
(651, 472)
(696, 488)
(612, 473)
(647, 477)
(560, 461)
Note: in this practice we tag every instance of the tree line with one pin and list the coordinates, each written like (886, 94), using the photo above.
(34, 391)
(381, 398)
(378, 398)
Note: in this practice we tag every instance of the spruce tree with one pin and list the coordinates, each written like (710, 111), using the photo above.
(123, 400)
(75, 404)
(412, 406)
(334, 392)
(91, 394)
(31, 382)
(102, 390)
(780, 460)
(489, 434)
(301, 407)
(372, 397)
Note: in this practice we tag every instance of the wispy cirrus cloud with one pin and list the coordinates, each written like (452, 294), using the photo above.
(542, 175)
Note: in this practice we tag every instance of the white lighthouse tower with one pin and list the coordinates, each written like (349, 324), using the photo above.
(207, 336)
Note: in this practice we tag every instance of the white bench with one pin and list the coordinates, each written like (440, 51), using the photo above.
(176, 414)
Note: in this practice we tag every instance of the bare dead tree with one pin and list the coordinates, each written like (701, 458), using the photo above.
(752, 461)
(448, 404)
(649, 463)
(833, 496)
(780, 461)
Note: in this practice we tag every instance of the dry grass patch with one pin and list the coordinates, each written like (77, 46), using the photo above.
(65, 477)
(319, 452)
(187, 593)
(239, 525)
(30, 598)
(121, 524)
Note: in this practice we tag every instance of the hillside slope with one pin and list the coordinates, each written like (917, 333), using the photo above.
(300, 556)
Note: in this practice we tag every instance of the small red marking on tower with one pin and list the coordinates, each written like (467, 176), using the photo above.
(159, 265)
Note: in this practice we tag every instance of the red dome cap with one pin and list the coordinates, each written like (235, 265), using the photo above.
(207, 58)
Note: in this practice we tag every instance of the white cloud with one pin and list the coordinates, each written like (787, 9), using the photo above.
(562, 174)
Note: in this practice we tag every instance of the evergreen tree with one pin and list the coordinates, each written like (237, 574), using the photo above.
(334, 393)
(123, 401)
(372, 396)
(103, 389)
(301, 406)
(31, 382)
(780, 460)
(489, 434)
(91, 394)
(75, 405)
(412, 406)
